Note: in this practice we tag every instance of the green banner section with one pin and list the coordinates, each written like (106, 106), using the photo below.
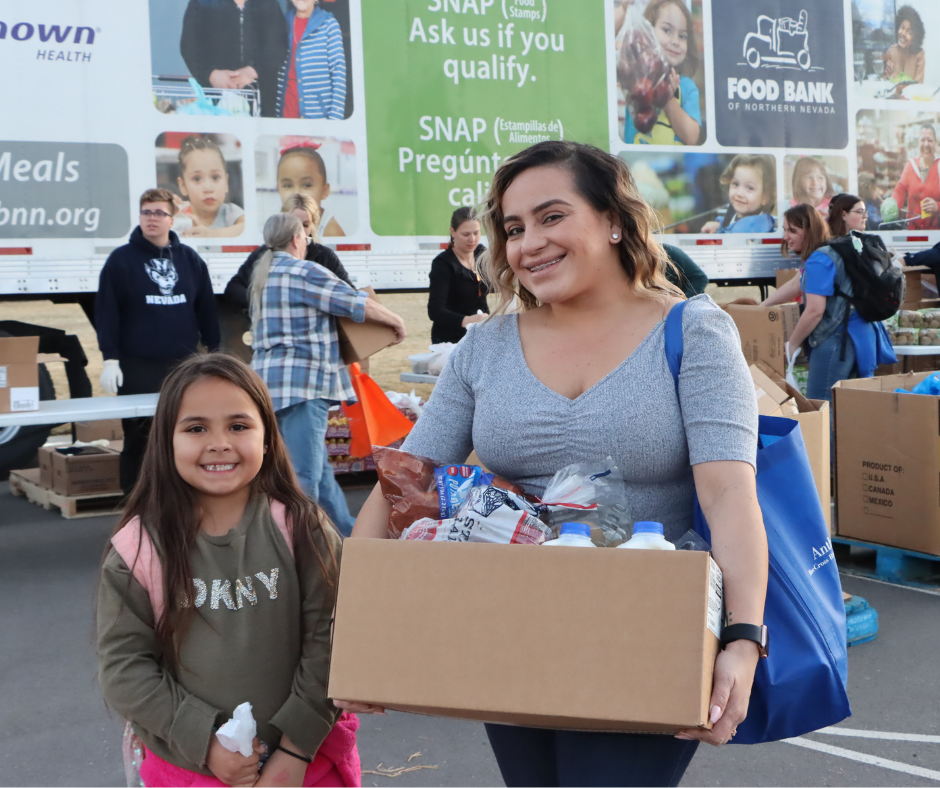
(453, 87)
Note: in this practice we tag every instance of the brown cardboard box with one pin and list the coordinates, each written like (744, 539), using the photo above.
(45, 466)
(358, 341)
(888, 463)
(103, 429)
(813, 418)
(86, 470)
(913, 286)
(19, 374)
(465, 629)
(771, 394)
(764, 330)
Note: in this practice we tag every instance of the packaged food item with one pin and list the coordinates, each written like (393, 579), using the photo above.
(595, 495)
(573, 535)
(929, 336)
(903, 336)
(643, 71)
(491, 515)
(910, 319)
(931, 318)
(648, 535)
(410, 484)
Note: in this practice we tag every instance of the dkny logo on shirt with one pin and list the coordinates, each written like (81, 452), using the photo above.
(244, 590)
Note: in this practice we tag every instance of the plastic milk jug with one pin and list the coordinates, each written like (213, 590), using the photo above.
(573, 535)
(648, 536)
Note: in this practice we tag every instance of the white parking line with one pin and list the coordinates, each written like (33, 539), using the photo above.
(884, 735)
(862, 757)
(847, 572)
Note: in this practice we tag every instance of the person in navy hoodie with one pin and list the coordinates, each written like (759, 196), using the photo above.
(153, 308)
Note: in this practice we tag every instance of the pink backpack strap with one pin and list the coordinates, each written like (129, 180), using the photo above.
(279, 514)
(136, 549)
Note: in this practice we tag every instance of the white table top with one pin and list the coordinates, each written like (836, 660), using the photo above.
(917, 350)
(411, 377)
(62, 411)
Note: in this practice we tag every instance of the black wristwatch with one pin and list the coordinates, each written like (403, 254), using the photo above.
(757, 634)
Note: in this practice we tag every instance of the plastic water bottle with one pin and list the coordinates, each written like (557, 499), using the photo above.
(648, 536)
(573, 535)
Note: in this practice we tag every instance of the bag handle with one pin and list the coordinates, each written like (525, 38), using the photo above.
(675, 344)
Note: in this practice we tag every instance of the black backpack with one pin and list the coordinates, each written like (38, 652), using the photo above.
(878, 286)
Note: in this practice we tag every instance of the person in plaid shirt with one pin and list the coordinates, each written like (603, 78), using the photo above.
(294, 303)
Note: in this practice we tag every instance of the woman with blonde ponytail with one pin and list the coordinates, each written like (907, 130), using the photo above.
(580, 374)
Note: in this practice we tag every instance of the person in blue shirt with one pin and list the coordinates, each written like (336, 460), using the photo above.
(680, 120)
(752, 196)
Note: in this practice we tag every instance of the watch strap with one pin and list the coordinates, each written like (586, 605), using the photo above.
(753, 632)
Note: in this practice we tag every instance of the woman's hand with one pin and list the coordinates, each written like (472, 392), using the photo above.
(929, 206)
(244, 76)
(734, 675)
(233, 768)
(381, 314)
(353, 707)
(223, 79)
(711, 227)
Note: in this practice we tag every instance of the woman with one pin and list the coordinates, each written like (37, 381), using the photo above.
(919, 188)
(847, 214)
(904, 61)
(581, 373)
(457, 293)
(294, 304)
(841, 344)
(871, 194)
(235, 44)
(304, 208)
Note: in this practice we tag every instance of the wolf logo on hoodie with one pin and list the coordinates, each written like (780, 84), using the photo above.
(163, 273)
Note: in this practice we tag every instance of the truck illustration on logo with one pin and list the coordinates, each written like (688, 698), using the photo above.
(779, 43)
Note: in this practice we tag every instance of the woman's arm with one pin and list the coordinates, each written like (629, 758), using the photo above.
(812, 314)
(336, 62)
(727, 493)
(787, 292)
(442, 279)
(372, 522)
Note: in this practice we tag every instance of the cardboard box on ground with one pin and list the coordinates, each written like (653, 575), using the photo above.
(19, 374)
(888, 462)
(358, 341)
(464, 629)
(82, 470)
(764, 330)
(776, 397)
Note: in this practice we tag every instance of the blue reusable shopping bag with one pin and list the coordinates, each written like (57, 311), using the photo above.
(801, 686)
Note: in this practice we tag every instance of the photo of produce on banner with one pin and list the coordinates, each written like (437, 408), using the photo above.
(267, 58)
(661, 88)
(898, 176)
(895, 53)
(204, 172)
(322, 168)
(708, 192)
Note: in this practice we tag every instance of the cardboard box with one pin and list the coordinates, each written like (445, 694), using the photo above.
(888, 462)
(104, 429)
(464, 630)
(86, 470)
(358, 341)
(813, 418)
(764, 330)
(19, 374)
(913, 285)
(45, 466)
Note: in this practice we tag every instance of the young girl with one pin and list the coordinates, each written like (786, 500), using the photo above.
(301, 170)
(680, 121)
(203, 180)
(218, 588)
(312, 81)
(812, 185)
(752, 195)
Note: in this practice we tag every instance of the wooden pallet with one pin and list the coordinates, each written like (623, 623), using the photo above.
(891, 564)
(26, 483)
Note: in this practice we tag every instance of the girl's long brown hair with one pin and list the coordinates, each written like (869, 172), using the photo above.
(167, 506)
(605, 182)
(839, 206)
(815, 230)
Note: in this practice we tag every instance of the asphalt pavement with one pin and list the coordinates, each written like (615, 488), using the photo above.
(55, 729)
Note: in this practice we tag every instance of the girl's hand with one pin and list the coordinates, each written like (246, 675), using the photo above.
(710, 227)
(358, 708)
(674, 82)
(233, 768)
(734, 675)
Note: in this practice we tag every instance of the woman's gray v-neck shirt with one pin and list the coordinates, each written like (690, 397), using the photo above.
(487, 399)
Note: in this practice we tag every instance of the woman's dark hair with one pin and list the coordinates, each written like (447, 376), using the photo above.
(815, 230)
(167, 506)
(458, 217)
(689, 66)
(605, 182)
(837, 209)
(907, 14)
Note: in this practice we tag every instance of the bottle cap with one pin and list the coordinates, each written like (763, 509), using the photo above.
(647, 527)
(576, 529)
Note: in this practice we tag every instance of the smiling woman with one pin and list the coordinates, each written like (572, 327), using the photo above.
(582, 374)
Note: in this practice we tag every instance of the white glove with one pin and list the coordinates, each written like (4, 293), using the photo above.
(111, 376)
(791, 360)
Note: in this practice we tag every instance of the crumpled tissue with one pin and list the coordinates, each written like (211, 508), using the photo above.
(239, 732)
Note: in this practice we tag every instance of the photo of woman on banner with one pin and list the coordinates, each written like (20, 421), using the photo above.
(234, 44)
(904, 61)
(657, 72)
(918, 190)
(751, 181)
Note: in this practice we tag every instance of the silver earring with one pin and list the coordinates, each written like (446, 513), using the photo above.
(616, 236)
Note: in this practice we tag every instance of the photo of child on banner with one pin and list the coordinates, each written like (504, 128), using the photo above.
(373, 419)
(814, 180)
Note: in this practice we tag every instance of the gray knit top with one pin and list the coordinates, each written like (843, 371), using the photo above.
(488, 399)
